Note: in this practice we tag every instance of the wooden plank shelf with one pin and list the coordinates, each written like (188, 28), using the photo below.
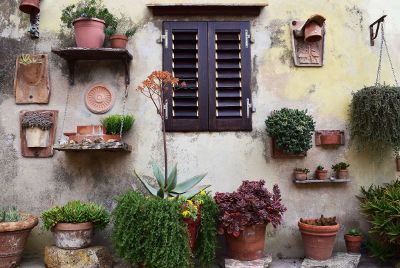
(84, 147)
(312, 181)
(74, 54)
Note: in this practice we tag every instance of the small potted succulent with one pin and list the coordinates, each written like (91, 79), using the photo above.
(318, 236)
(291, 131)
(37, 129)
(120, 34)
(15, 228)
(89, 18)
(353, 239)
(31, 68)
(341, 170)
(300, 174)
(72, 224)
(243, 216)
(321, 173)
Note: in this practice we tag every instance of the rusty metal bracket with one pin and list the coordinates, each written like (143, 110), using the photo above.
(373, 35)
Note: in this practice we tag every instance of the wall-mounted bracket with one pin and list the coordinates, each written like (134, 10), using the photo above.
(374, 34)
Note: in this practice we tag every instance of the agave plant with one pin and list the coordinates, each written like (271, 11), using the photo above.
(187, 188)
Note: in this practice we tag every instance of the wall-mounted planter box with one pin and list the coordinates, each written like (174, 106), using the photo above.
(279, 153)
(329, 137)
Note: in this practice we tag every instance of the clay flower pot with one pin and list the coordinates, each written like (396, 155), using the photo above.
(331, 139)
(37, 137)
(89, 33)
(73, 235)
(321, 174)
(193, 229)
(30, 6)
(13, 236)
(312, 32)
(318, 240)
(343, 174)
(249, 245)
(118, 40)
(32, 73)
(353, 243)
(300, 176)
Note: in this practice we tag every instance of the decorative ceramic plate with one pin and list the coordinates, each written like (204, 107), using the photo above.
(99, 99)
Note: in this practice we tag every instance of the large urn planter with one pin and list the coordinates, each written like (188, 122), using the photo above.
(118, 41)
(318, 240)
(37, 137)
(249, 245)
(13, 237)
(73, 235)
(31, 7)
(89, 33)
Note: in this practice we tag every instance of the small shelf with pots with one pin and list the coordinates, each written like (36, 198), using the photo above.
(330, 180)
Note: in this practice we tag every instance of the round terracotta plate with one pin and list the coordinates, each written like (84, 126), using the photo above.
(99, 99)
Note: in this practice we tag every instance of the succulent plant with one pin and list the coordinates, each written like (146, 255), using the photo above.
(303, 170)
(26, 59)
(354, 232)
(320, 168)
(322, 221)
(9, 215)
(340, 166)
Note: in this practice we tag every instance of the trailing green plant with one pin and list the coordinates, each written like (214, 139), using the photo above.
(113, 123)
(124, 26)
(302, 170)
(9, 215)
(291, 129)
(150, 230)
(76, 212)
(380, 205)
(187, 188)
(36, 119)
(87, 9)
(374, 118)
(340, 166)
(322, 221)
(354, 232)
(27, 59)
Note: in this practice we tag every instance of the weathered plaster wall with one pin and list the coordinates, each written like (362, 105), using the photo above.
(350, 63)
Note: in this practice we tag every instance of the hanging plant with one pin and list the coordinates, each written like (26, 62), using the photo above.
(291, 129)
(375, 118)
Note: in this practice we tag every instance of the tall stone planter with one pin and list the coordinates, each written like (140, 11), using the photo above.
(13, 236)
(73, 235)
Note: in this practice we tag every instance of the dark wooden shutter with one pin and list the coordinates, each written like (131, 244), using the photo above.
(185, 56)
(229, 76)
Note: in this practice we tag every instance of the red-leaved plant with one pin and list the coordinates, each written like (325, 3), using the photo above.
(251, 204)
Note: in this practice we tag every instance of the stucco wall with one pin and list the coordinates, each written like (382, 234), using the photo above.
(350, 63)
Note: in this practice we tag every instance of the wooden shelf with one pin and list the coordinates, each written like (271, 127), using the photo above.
(192, 9)
(83, 147)
(74, 54)
(321, 181)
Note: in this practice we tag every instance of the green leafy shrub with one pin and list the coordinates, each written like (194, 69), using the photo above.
(113, 122)
(150, 230)
(380, 204)
(76, 212)
(340, 166)
(9, 215)
(87, 9)
(374, 118)
(291, 129)
(124, 26)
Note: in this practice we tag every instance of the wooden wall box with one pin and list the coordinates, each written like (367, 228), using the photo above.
(38, 152)
(329, 137)
(31, 81)
(279, 153)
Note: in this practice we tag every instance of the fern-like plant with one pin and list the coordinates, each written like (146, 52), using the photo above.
(113, 123)
(375, 118)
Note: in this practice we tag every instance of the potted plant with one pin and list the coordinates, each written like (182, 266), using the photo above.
(341, 170)
(353, 239)
(243, 216)
(37, 129)
(120, 34)
(318, 236)
(117, 123)
(31, 68)
(291, 130)
(300, 174)
(321, 173)
(89, 18)
(15, 228)
(31, 7)
(73, 224)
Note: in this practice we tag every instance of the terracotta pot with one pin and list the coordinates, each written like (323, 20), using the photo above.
(331, 139)
(343, 174)
(300, 176)
(353, 243)
(193, 229)
(73, 235)
(32, 73)
(30, 6)
(321, 174)
(89, 33)
(13, 236)
(318, 240)
(249, 245)
(91, 130)
(37, 137)
(312, 32)
(118, 40)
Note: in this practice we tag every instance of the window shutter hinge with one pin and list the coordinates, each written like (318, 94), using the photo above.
(164, 39)
(247, 38)
(250, 108)
(166, 110)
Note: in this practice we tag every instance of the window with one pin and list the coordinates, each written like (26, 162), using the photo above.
(213, 59)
